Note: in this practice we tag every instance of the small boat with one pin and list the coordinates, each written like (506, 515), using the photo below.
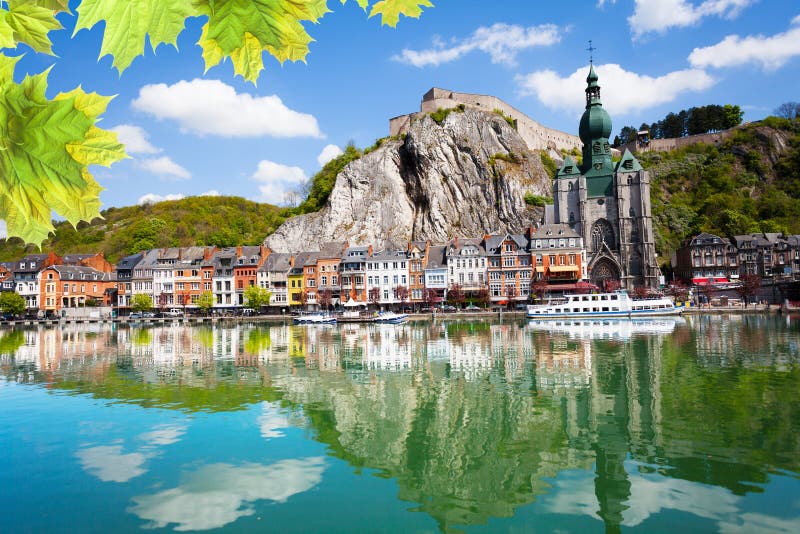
(390, 317)
(315, 318)
(616, 304)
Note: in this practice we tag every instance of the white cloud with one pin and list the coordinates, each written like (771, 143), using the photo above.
(601, 3)
(276, 180)
(501, 41)
(328, 153)
(152, 198)
(796, 20)
(166, 168)
(211, 193)
(660, 15)
(163, 435)
(3, 230)
(769, 52)
(107, 463)
(219, 494)
(211, 107)
(622, 91)
(272, 420)
(135, 139)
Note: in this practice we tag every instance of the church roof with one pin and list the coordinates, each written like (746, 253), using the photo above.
(569, 168)
(628, 163)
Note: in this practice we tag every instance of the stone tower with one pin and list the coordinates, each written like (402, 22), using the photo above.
(608, 204)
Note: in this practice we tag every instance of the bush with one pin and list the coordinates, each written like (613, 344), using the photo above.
(537, 200)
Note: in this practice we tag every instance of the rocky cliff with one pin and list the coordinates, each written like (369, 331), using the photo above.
(464, 177)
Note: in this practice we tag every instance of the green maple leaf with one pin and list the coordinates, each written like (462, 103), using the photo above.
(46, 147)
(128, 22)
(243, 29)
(26, 21)
(57, 6)
(390, 10)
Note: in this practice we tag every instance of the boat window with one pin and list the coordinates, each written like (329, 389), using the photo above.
(576, 309)
(586, 309)
(613, 297)
(605, 308)
(585, 298)
(603, 297)
(614, 309)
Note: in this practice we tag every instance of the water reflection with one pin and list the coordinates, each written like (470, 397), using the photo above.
(612, 420)
(218, 494)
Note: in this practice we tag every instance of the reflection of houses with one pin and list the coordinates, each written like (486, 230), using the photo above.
(386, 347)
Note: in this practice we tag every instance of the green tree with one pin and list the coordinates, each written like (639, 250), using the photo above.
(205, 301)
(12, 303)
(255, 297)
(141, 302)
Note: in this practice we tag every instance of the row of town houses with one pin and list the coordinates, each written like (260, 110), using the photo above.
(505, 266)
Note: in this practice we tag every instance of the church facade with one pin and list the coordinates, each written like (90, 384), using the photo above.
(607, 203)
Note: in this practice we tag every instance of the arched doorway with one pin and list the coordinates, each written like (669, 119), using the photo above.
(605, 274)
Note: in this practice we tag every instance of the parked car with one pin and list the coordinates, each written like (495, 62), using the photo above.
(472, 308)
(448, 308)
(173, 312)
(135, 315)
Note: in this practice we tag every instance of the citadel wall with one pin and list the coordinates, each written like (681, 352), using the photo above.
(536, 136)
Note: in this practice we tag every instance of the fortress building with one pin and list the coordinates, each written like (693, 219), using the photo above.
(608, 204)
(536, 136)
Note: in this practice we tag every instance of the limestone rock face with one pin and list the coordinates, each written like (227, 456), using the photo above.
(465, 177)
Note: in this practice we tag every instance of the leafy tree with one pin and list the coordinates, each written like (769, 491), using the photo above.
(325, 298)
(12, 303)
(141, 302)
(401, 294)
(205, 301)
(455, 295)
(430, 297)
(255, 297)
(539, 289)
(52, 143)
(482, 297)
(374, 295)
(748, 287)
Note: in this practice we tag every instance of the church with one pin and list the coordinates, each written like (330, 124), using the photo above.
(607, 203)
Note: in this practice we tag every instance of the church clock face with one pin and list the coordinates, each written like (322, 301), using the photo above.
(598, 166)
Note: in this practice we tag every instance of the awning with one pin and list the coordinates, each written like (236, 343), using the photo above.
(540, 269)
(700, 281)
(563, 268)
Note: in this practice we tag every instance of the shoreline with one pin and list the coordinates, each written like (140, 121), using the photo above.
(715, 310)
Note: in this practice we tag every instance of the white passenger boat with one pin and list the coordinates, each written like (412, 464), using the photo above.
(616, 304)
(315, 318)
(390, 317)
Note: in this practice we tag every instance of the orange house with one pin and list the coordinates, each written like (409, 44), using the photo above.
(190, 274)
(245, 268)
(417, 260)
(557, 254)
(329, 258)
(72, 286)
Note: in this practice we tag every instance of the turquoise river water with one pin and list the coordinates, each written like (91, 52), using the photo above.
(664, 425)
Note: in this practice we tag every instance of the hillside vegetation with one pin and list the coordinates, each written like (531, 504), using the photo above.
(206, 220)
(750, 183)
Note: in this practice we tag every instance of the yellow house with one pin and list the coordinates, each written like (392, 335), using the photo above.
(295, 281)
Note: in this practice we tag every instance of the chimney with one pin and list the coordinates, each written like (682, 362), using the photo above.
(456, 241)
(207, 253)
(238, 251)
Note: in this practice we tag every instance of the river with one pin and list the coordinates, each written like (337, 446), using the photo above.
(464, 426)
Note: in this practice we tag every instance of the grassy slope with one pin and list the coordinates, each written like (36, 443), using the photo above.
(748, 184)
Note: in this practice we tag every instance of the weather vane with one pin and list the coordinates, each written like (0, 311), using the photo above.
(591, 50)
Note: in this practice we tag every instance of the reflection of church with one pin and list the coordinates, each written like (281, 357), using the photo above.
(607, 203)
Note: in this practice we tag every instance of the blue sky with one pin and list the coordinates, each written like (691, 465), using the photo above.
(191, 133)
